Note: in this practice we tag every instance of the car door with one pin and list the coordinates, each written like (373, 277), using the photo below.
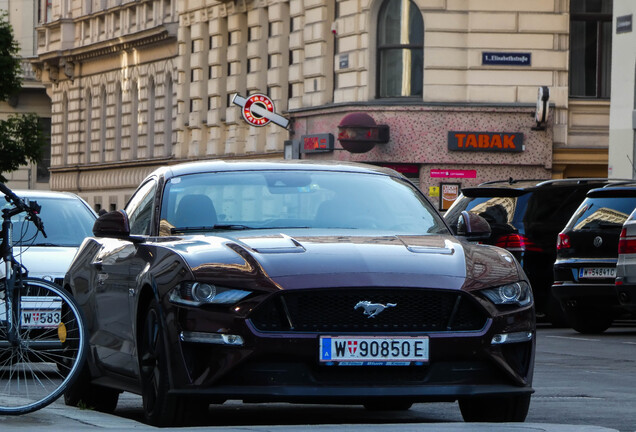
(118, 264)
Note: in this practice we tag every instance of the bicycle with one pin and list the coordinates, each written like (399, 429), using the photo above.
(42, 335)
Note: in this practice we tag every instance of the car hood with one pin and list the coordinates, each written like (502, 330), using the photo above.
(308, 261)
(45, 262)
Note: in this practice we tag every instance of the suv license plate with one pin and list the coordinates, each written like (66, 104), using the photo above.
(41, 318)
(597, 272)
(365, 350)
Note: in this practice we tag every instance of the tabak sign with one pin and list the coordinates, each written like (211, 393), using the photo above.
(485, 141)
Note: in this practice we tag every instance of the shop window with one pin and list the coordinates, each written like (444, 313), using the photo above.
(400, 49)
(590, 48)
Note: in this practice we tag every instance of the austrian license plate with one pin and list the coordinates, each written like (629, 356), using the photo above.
(41, 312)
(41, 318)
(597, 272)
(371, 351)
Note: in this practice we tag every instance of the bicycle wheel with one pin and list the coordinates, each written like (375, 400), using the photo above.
(49, 351)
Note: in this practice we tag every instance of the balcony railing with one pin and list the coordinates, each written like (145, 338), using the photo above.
(28, 74)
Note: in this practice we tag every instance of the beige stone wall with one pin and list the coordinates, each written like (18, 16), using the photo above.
(280, 48)
(113, 95)
(305, 54)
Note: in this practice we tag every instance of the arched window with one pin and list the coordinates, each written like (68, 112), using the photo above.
(400, 49)
(65, 142)
(167, 119)
(102, 124)
(118, 114)
(89, 127)
(151, 118)
(134, 119)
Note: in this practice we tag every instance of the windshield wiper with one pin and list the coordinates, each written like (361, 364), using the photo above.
(600, 224)
(236, 227)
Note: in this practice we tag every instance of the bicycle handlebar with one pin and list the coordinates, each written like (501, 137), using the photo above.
(32, 209)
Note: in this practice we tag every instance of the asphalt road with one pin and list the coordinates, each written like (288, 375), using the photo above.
(582, 383)
(579, 380)
(586, 379)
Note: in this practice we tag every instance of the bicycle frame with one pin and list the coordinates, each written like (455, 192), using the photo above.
(13, 275)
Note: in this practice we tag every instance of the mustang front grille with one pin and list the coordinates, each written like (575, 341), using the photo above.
(369, 310)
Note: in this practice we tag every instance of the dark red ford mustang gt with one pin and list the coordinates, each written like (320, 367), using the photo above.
(298, 282)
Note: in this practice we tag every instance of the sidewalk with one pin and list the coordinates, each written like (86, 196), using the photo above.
(57, 418)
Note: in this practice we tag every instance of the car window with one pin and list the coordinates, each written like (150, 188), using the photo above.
(596, 212)
(554, 206)
(287, 199)
(67, 221)
(496, 210)
(139, 209)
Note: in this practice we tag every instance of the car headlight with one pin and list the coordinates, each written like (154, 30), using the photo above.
(198, 294)
(518, 293)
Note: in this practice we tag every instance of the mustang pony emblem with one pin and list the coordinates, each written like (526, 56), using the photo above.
(373, 309)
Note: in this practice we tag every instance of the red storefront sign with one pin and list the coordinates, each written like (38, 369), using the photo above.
(486, 141)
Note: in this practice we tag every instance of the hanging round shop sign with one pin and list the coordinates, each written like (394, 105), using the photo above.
(258, 110)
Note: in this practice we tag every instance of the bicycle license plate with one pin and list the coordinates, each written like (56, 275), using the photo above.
(40, 319)
(41, 312)
(372, 351)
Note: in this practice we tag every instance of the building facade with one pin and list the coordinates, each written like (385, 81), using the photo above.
(443, 90)
(622, 145)
(23, 17)
(110, 70)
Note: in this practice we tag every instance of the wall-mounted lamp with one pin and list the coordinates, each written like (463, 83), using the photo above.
(543, 106)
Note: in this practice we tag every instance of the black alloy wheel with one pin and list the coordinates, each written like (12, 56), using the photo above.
(161, 409)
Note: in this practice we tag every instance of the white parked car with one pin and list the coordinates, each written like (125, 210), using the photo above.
(626, 265)
(67, 218)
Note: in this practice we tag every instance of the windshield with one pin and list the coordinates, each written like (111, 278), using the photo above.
(295, 199)
(67, 222)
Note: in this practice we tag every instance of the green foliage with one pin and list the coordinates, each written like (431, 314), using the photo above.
(21, 140)
(10, 78)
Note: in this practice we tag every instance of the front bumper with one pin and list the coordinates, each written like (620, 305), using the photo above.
(350, 395)
(284, 366)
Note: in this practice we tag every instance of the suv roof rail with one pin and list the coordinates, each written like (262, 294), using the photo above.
(548, 182)
(621, 183)
(511, 181)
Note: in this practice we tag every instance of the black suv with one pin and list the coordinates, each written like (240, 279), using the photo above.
(587, 251)
(526, 217)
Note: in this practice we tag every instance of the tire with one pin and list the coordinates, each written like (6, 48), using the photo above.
(388, 405)
(161, 409)
(82, 393)
(587, 321)
(495, 409)
(47, 356)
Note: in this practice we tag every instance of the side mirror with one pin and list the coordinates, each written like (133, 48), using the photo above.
(473, 226)
(112, 224)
